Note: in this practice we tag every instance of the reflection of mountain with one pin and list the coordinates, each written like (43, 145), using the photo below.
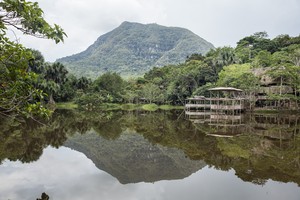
(131, 158)
(267, 146)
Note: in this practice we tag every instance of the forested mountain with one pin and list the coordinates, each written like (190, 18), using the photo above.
(133, 49)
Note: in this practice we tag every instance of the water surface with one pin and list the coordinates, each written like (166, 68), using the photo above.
(161, 155)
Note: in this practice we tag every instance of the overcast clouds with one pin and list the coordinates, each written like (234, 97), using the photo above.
(221, 22)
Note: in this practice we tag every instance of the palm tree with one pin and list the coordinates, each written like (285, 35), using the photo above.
(55, 76)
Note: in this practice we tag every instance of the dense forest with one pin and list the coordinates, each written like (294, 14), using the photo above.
(277, 58)
(28, 83)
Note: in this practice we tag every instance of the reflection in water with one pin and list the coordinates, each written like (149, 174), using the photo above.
(73, 176)
(148, 147)
(131, 159)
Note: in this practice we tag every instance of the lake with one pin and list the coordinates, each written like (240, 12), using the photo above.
(162, 155)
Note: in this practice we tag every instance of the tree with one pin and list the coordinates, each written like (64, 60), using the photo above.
(236, 76)
(281, 58)
(296, 57)
(17, 92)
(54, 78)
(27, 17)
(110, 84)
(36, 63)
(220, 57)
(151, 92)
(83, 83)
(258, 42)
(262, 59)
(287, 75)
(195, 56)
(67, 90)
(241, 77)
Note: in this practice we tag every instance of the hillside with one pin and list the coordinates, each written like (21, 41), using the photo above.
(132, 49)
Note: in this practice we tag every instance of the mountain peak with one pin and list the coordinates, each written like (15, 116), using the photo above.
(133, 48)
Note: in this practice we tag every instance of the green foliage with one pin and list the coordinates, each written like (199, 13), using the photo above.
(27, 17)
(67, 90)
(238, 76)
(18, 93)
(176, 83)
(195, 56)
(55, 83)
(111, 85)
(151, 92)
(83, 83)
(226, 66)
(90, 100)
(218, 58)
(37, 62)
(263, 59)
(287, 74)
(281, 58)
(258, 42)
(203, 90)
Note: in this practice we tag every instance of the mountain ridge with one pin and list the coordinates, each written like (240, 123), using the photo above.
(134, 48)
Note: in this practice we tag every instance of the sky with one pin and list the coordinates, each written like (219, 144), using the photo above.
(221, 22)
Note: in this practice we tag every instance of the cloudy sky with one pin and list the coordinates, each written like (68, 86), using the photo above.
(221, 22)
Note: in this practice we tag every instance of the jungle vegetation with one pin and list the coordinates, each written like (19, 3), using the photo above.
(278, 58)
(28, 83)
(18, 92)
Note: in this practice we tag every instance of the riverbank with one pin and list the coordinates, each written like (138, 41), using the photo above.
(115, 106)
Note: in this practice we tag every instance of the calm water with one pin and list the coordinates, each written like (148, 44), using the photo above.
(161, 155)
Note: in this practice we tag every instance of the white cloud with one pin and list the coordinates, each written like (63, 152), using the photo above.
(222, 22)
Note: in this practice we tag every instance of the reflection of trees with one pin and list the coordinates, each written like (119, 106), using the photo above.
(268, 149)
(25, 141)
(256, 155)
(166, 129)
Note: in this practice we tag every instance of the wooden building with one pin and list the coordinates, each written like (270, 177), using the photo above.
(227, 100)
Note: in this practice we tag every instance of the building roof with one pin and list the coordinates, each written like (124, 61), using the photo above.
(225, 89)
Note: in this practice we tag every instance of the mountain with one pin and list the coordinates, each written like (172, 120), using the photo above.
(132, 49)
(132, 159)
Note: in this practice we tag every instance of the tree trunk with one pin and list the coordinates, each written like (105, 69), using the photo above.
(281, 85)
(51, 100)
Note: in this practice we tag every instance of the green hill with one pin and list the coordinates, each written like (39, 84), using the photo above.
(132, 49)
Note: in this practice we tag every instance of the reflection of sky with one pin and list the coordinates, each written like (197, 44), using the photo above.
(65, 174)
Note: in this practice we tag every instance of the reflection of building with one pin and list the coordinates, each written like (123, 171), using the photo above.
(220, 125)
(271, 127)
(275, 126)
(222, 100)
(218, 115)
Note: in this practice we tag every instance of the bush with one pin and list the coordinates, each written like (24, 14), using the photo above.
(90, 100)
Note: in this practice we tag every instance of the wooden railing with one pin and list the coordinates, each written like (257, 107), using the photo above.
(226, 107)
